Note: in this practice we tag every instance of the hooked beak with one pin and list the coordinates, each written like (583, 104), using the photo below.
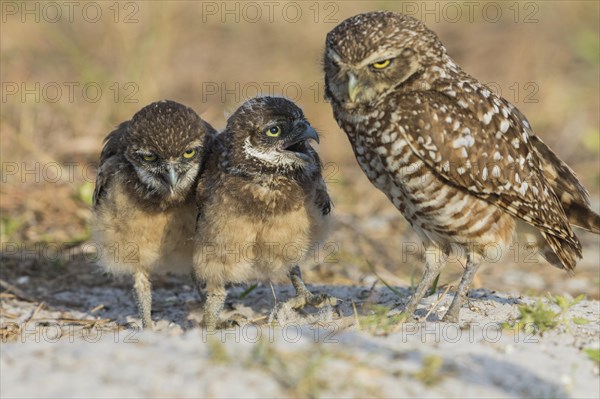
(171, 177)
(353, 87)
(302, 133)
(306, 132)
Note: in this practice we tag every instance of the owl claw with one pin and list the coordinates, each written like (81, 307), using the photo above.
(308, 298)
(236, 320)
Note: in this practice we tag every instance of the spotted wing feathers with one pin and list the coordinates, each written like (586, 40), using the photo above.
(477, 142)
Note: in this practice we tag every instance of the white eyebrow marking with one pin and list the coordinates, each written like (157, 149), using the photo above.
(335, 56)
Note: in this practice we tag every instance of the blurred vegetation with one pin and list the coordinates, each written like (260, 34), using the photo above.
(431, 371)
(378, 322)
(540, 317)
(593, 354)
(178, 50)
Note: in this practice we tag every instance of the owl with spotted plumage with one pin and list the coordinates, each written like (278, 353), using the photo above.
(461, 163)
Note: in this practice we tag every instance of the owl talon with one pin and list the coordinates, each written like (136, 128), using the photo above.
(236, 320)
(451, 317)
(316, 300)
(304, 296)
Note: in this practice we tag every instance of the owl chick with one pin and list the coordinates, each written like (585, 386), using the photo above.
(144, 207)
(263, 204)
(461, 163)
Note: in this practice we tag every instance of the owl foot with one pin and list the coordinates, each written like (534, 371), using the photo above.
(308, 298)
(142, 288)
(235, 320)
(451, 317)
(304, 296)
(288, 309)
(215, 300)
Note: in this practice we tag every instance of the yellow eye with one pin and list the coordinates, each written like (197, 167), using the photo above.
(149, 157)
(189, 153)
(273, 131)
(382, 64)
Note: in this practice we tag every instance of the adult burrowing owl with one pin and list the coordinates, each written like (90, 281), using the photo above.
(461, 163)
(144, 207)
(263, 204)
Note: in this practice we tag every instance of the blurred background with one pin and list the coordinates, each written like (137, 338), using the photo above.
(72, 71)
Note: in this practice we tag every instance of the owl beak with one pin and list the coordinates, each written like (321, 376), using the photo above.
(353, 87)
(306, 133)
(301, 134)
(171, 177)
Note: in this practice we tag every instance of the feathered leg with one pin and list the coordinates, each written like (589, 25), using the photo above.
(142, 288)
(434, 263)
(473, 262)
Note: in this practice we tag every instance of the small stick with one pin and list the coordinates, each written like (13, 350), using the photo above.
(273, 292)
(438, 301)
(97, 308)
(34, 313)
(356, 319)
(17, 291)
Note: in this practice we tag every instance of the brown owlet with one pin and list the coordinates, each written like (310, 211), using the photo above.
(263, 203)
(144, 202)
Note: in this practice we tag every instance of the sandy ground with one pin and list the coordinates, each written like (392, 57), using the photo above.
(72, 335)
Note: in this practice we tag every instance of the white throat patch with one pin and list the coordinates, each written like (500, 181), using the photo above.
(273, 157)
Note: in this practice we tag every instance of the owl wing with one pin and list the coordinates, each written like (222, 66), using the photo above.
(109, 159)
(480, 145)
(322, 199)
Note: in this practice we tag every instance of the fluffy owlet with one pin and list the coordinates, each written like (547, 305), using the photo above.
(144, 205)
(461, 163)
(263, 203)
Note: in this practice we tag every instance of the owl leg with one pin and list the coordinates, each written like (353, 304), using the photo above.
(215, 301)
(303, 295)
(199, 285)
(434, 263)
(142, 288)
(452, 315)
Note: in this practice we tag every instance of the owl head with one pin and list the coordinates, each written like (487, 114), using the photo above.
(370, 54)
(165, 145)
(270, 134)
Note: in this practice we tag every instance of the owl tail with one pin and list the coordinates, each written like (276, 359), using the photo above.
(573, 197)
(582, 216)
(561, 253)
